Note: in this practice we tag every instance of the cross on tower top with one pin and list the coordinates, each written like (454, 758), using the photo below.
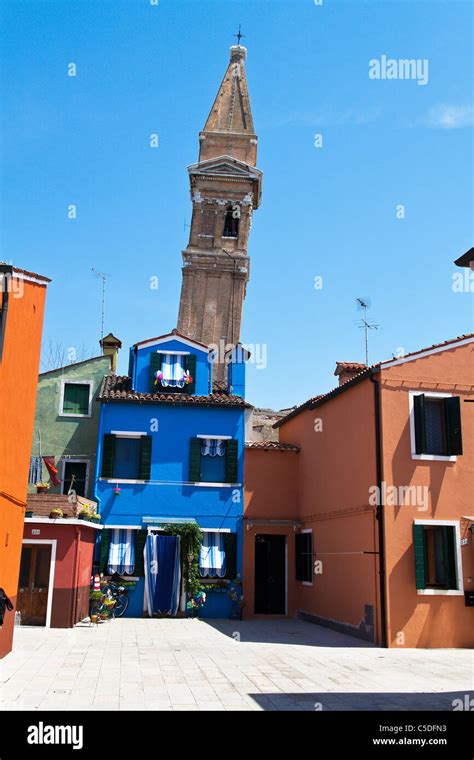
(239, 36)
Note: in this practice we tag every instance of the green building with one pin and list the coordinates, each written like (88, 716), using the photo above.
(66, 421)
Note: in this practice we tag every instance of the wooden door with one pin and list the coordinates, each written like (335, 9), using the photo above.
(32, 600)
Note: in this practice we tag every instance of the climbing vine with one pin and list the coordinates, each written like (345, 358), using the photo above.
(191, 540)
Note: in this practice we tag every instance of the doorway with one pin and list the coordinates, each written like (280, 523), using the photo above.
(270, 574)
(34, 584)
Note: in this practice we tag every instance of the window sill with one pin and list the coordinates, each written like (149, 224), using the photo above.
(434, 457)
(439, 592)
(202, 483)
(123, 480)
(306, 583)
(70, 414)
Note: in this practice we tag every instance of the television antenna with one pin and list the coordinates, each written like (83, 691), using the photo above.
(365, 324)
(101, 276)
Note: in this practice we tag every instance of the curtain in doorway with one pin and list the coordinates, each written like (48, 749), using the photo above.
(162, 574)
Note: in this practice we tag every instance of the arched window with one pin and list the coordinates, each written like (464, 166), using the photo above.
(231, 223)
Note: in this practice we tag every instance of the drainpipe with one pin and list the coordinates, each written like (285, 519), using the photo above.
(76, 576)
(380, 511)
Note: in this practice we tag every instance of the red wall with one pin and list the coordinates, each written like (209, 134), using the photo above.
(73, 568)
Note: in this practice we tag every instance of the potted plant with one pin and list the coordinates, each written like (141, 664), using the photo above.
(95, 517)
(117, 491)
(29, 513)
(56, 513)
(42, 487)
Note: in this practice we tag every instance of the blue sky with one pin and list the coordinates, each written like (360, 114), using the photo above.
(326, 212)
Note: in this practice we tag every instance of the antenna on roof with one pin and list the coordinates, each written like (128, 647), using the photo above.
(364, 324)
(102, 276)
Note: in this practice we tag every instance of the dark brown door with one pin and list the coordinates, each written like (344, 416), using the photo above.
(270, 575)
(33, 586)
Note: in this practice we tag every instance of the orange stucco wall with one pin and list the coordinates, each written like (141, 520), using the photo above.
(18, 382)
(271, 493)
(336, 468)
(415, 619)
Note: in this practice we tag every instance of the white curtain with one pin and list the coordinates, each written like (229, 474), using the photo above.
(173, 371)
(212, 447)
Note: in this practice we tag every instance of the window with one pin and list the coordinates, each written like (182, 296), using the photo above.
(436, 556)
(231, 223)
(212, 562)
(304, 556)
(75, 399)
(172, 372)
(208, 221)
(213, 460)
(436, 425)
(75, 477)
(126, 457)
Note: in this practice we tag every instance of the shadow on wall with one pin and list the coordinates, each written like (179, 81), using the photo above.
(448, 701)
(272, 631)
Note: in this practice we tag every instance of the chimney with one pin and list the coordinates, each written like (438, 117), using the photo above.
(347, 370)
(110, 346)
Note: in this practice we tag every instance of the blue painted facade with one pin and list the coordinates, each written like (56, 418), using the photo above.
(169, 492)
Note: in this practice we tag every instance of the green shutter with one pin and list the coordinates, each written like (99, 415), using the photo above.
(230, 555)
(420, 428)
(452, 411)
(419, 544)
(232, 461)
(191, 367)
(76, 398)
(449, 550)
(108, 450)
(145, 458)
(155, 365)
(140, 540)
(195, 460)
(299, 563)
(105, 537)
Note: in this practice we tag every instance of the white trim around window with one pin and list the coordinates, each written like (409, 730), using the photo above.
(309, 583)
(425, 457)
(64, 382)
(127, 434)
(458, 557)
(216, 437)
(76, 460)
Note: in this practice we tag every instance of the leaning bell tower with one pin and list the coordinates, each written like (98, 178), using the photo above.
(226, 187)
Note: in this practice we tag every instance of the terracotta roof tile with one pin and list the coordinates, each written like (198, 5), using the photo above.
(317, 400)
(119, 388)
(271, 446)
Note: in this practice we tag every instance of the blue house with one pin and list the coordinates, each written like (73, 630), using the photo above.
(171, 451)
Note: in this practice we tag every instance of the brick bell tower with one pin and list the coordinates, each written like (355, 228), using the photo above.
(226, 187)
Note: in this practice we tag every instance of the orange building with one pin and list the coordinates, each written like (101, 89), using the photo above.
(22, 296)
(375, 532)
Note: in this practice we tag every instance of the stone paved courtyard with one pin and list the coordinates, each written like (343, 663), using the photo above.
(175, 664)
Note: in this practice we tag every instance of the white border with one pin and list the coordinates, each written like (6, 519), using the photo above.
(65, 521)
(65, 381)
(167, 339)
(459, 574)
(425, 457)
(53, 543)
(174, 353)
(65, 460)
(427, 352)
(309, 583)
